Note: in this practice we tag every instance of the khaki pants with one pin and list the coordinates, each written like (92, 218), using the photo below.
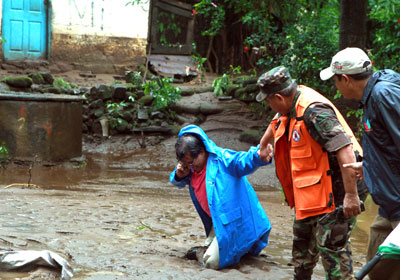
(385, 269)
(211, 256)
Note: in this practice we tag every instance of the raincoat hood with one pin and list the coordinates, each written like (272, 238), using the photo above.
(211, 147)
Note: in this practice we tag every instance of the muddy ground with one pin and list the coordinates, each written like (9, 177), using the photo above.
(117, 216)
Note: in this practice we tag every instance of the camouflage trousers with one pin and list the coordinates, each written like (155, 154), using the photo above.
(331, 240)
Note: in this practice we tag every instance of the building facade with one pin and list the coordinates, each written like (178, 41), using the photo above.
(104, 36)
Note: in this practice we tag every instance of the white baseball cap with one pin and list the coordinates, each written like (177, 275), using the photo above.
(347, 61)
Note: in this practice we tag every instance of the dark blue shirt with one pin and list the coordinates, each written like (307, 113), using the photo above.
(381, 141)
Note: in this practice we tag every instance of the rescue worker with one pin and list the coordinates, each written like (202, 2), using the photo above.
(312, 141)
(379, 96)
(234, 220)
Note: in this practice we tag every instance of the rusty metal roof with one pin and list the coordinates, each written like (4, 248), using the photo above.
(170, 65)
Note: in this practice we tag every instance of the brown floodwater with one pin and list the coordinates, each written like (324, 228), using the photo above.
(117, 217)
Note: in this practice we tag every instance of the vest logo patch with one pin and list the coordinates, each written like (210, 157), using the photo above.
(367, 126)
(296, 135)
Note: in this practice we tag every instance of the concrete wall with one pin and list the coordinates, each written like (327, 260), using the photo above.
(104, 36)
(110, 18)
(45, 126)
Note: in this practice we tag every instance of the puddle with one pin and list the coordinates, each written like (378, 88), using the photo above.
(119, 218)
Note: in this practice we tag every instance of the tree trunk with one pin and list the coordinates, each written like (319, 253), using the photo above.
(224, 51)
(353, 27)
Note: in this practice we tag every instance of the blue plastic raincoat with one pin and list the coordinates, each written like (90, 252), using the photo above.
(240, 222)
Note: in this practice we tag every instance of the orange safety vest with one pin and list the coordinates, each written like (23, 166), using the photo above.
(302, 165)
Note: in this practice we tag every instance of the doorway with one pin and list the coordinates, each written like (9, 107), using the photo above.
(25, 29)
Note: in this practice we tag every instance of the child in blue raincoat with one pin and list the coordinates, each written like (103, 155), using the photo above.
(234, 220)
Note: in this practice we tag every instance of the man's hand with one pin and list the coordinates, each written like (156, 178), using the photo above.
(351, 202)
(266, 153)
(181, 171)
(351, 205)
(357, 167)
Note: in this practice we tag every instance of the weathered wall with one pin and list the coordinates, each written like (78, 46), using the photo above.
(99, 17)
(99, 54)
(48, 127)
(105, 36)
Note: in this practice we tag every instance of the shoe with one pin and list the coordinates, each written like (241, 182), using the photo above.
(196, 253)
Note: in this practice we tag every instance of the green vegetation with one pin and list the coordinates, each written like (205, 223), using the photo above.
(158, 90)
(221, 84)
(199, 62)
(60, 83)
(385, 36)
(18, 81)
(133, 78)
(163, 93)
(115, 112)
(137, 96)
(167, 24)
(303, 35)
(4, 156)
(144, 227)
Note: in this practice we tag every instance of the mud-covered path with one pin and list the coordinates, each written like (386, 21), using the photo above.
(121, 232)
(119, 218)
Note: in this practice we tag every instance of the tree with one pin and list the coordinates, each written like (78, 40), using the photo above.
(384, 33)
(353, 24)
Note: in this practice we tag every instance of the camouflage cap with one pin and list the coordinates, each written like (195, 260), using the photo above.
(273, 81)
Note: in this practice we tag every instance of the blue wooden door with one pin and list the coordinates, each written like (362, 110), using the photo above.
(24, 29)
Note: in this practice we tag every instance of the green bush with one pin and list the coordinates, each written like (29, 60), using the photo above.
(385, 34)
(307, 46)
(114, 112)
(4, 156)
(162, 91)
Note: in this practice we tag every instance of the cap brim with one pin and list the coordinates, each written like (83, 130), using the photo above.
(326, 74)
(260, 96)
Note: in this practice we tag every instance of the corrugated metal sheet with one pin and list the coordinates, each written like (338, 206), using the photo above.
(171, 65)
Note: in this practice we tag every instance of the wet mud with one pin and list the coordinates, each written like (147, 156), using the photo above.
(119, 218)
